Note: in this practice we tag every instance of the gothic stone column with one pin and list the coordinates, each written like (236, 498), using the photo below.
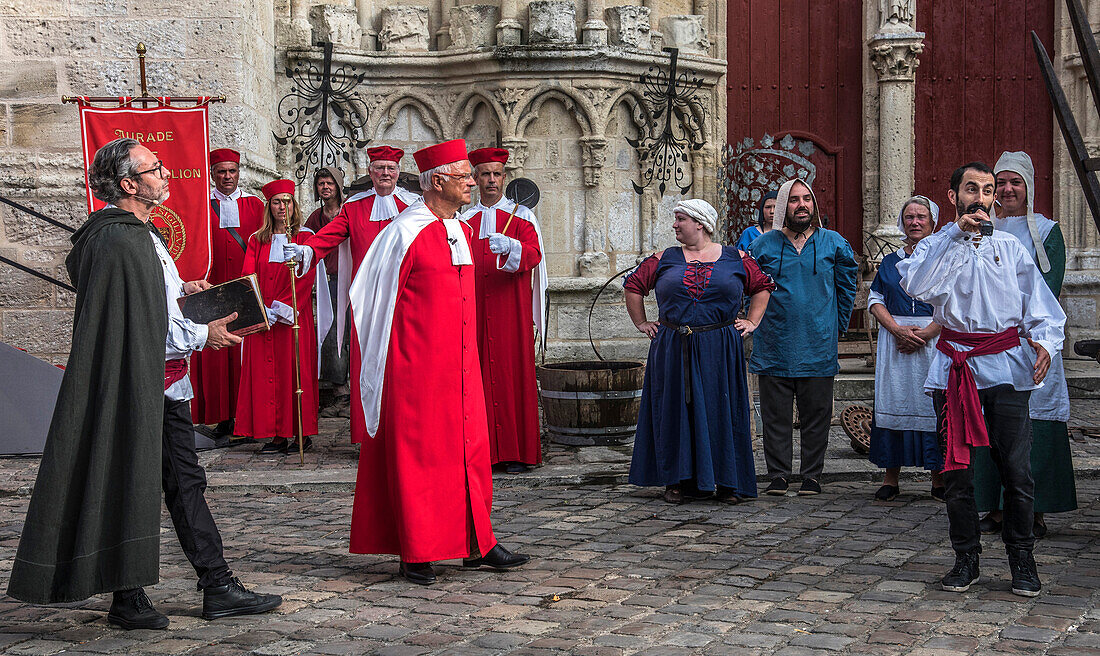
(894, 57)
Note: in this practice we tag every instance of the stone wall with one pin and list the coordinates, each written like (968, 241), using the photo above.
(87, 47)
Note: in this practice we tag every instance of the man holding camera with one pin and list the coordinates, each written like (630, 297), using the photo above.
(1000, 324)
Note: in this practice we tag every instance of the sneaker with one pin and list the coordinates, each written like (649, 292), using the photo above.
(887, 493)
(778, 487)
(963, 574)
(1025, 577)
(989, 526)
(131, 609)
(809, 487)
(234, 599)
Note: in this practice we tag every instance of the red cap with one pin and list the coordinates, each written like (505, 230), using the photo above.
(224, 155)
(440, 154)
(385, 154)
(277, 187)
(483, 155)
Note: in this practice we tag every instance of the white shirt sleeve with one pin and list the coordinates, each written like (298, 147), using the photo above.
(929, 273)
(515, 254)
(875, 298)
(1044, 320)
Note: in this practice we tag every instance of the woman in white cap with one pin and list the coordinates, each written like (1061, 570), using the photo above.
(1051, 463)
(693, 427)
(903, 430)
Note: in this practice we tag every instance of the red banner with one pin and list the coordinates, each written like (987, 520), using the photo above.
(178, 136)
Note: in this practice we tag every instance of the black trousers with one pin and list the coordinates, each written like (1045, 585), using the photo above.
(815, 413)
(1009, 428)
(184, 483)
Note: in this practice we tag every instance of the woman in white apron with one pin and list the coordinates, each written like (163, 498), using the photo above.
(1051, 463)
(903, 431)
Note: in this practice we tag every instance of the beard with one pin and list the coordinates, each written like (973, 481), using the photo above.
(799, 224)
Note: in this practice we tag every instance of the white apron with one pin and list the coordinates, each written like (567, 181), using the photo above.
(900, 401)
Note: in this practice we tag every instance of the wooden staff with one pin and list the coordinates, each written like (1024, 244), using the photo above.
(292, 266)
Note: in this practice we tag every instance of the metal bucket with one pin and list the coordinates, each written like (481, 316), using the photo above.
(591, 403)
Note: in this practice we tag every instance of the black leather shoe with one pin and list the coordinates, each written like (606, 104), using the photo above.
(290, 447)
(273, 447)
(497, 558)
(778, 486)
(887, 493)
(963, 574)
(131, 609)
(418, 573)
(809, 487)
(1025, 576)
(233, 599)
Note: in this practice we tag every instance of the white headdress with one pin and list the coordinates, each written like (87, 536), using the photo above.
(780, 216)
(1019, 162)
(700, 210)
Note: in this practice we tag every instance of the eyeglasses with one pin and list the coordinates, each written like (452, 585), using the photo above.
(158, 169)
(460, 176)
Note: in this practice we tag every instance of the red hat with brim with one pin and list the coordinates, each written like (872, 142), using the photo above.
(440, 154)
(385, 154)
(483, 155)
(277, 187)
(224, 155)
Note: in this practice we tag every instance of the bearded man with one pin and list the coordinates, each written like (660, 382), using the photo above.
(795, 349)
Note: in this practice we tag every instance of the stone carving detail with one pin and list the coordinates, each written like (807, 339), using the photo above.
(508, 98)
(593, 156)
(594, 264)
(517, 155)
(896, 58)
(552, 21)
(688, 33)
(598, 96)
(628, 26)
(404, 28)
(473, 26)
(337, 25)
(897, 15)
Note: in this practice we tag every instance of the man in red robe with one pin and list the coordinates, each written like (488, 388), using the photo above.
(508, 259)
(216, 375)
(424, 488)
(351, 234)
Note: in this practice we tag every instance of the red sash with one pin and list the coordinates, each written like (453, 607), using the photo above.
(174, 371)
(964, 422)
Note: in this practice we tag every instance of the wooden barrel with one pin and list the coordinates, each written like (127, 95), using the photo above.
(589, 403)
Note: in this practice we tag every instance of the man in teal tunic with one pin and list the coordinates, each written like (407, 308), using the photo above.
(1051, 463)
(795, 349)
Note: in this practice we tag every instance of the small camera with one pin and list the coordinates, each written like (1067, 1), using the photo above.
(985, 226)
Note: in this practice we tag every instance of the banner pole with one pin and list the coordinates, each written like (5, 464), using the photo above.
(141, 65)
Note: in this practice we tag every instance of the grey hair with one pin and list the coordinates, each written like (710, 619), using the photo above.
(111, 164)
(919, 200)
(426, 176)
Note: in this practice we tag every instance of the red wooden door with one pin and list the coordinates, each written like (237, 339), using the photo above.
(795, 67)
(979, 91)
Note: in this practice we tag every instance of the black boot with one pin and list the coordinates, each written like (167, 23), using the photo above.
(418, 573)
(131, 609)
(497, 558)
(1025, 577)
(233, 599)
(963, 574)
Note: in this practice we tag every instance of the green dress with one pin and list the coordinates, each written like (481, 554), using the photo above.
(1051, 462)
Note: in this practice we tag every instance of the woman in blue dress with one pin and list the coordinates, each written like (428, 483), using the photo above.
(693, 427)
(764, 214)
(903, 431)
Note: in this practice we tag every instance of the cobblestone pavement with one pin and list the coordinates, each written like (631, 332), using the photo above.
(615, 570)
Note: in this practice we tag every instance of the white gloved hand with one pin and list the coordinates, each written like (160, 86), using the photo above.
(272, 316)
(295, 252)
(500, 244)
